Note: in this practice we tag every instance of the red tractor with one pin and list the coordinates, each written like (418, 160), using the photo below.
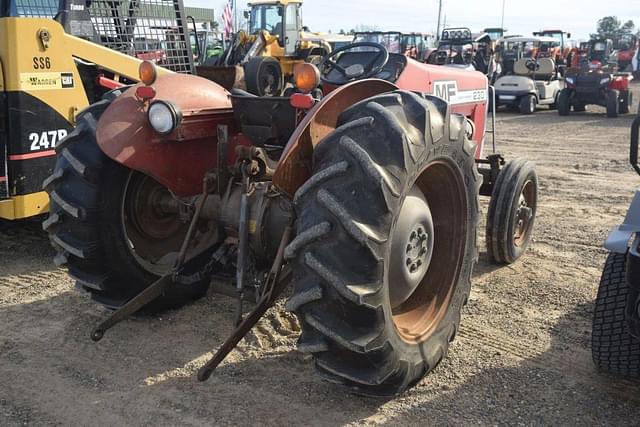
(626, 49)
(363, 195)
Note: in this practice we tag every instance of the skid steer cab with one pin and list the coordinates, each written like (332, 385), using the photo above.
(51, 69)
(363, 197)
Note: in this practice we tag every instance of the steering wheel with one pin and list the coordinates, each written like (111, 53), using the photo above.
(355, 71)
(532, 65)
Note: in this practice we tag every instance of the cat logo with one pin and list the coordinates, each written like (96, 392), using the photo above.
(447, 90)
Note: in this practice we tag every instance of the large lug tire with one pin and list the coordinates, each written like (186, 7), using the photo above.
(87, 226)
(613, 103)
(613, 348)
(390, 166)
(564, 102)
(626, 100)
(263, 76)
(512, 212)
(528, 104)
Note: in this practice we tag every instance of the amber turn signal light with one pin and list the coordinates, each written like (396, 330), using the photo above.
(147, 72)
(306, 77)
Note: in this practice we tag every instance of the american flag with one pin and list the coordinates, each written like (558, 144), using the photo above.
(227, 19)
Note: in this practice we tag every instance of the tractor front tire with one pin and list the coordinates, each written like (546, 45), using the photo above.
(385, 243)
(86, 224)
(613, 348)
(564, 102)
(613, 103)
(528, 104)
(512, 212)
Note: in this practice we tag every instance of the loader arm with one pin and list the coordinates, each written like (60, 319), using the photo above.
(105, 58)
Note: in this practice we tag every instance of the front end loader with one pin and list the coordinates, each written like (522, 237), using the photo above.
(363, 197)
(54, 68)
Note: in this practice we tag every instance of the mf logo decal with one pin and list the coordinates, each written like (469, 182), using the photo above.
(447, 90)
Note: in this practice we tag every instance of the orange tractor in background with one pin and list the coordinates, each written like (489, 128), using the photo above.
(362, 196)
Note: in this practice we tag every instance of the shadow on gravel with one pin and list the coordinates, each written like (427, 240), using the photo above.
(557, 386)
(596, 119)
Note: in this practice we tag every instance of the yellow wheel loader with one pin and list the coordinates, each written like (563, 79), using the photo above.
(52, 69)
(263, 60)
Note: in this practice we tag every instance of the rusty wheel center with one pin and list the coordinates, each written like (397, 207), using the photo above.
(152, 225)
(424, 271)
(524, 214)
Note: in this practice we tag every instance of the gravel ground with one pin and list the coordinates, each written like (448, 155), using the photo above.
(522, 355)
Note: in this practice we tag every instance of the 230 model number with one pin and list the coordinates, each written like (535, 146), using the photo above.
(46, 140)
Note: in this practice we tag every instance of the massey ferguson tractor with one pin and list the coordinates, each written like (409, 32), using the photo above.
(362, 196)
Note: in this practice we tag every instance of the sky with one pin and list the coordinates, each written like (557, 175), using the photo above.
(521, 16)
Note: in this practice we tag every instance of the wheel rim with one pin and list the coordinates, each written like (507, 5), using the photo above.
(269, 80)
(440, 188)
(153, 232)
(524, 214)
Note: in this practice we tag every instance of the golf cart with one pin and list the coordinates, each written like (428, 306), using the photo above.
(509, 50)
(534, 82)
(596, 81)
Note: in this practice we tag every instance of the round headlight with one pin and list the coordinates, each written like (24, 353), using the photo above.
(164, 117)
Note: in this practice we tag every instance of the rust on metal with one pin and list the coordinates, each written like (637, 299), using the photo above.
(124, 135)
(295, 165)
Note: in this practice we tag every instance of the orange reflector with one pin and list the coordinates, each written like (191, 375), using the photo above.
(306, 77)
(147, 72)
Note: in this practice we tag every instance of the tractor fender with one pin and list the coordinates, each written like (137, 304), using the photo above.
(178, 160)
(619, 237)
(295, 165)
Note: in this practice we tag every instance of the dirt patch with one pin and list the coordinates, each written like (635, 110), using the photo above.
(522, 355)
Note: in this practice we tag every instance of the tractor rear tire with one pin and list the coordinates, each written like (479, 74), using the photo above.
(528, 104)
(613, 103)
(85, 223)
(564, 104)
(263, 76)
(613, 348)
(388, 152)
(626, 100)
(512, 212)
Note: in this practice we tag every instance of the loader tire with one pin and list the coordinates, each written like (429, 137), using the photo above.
(564, 105)
(85, 224)
(613, 103)
(363, 225)
(613, 348)
(512, 212)
(263, 76)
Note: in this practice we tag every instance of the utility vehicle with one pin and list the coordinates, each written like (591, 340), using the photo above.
(363, 195)
(615, 339)
(534, 82)
(597, 81)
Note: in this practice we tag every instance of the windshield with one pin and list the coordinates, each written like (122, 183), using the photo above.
(599, 47)
(266, 17)
(413, 40)
(558, 36)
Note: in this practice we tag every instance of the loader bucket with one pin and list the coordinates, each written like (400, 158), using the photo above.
(227, 77)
